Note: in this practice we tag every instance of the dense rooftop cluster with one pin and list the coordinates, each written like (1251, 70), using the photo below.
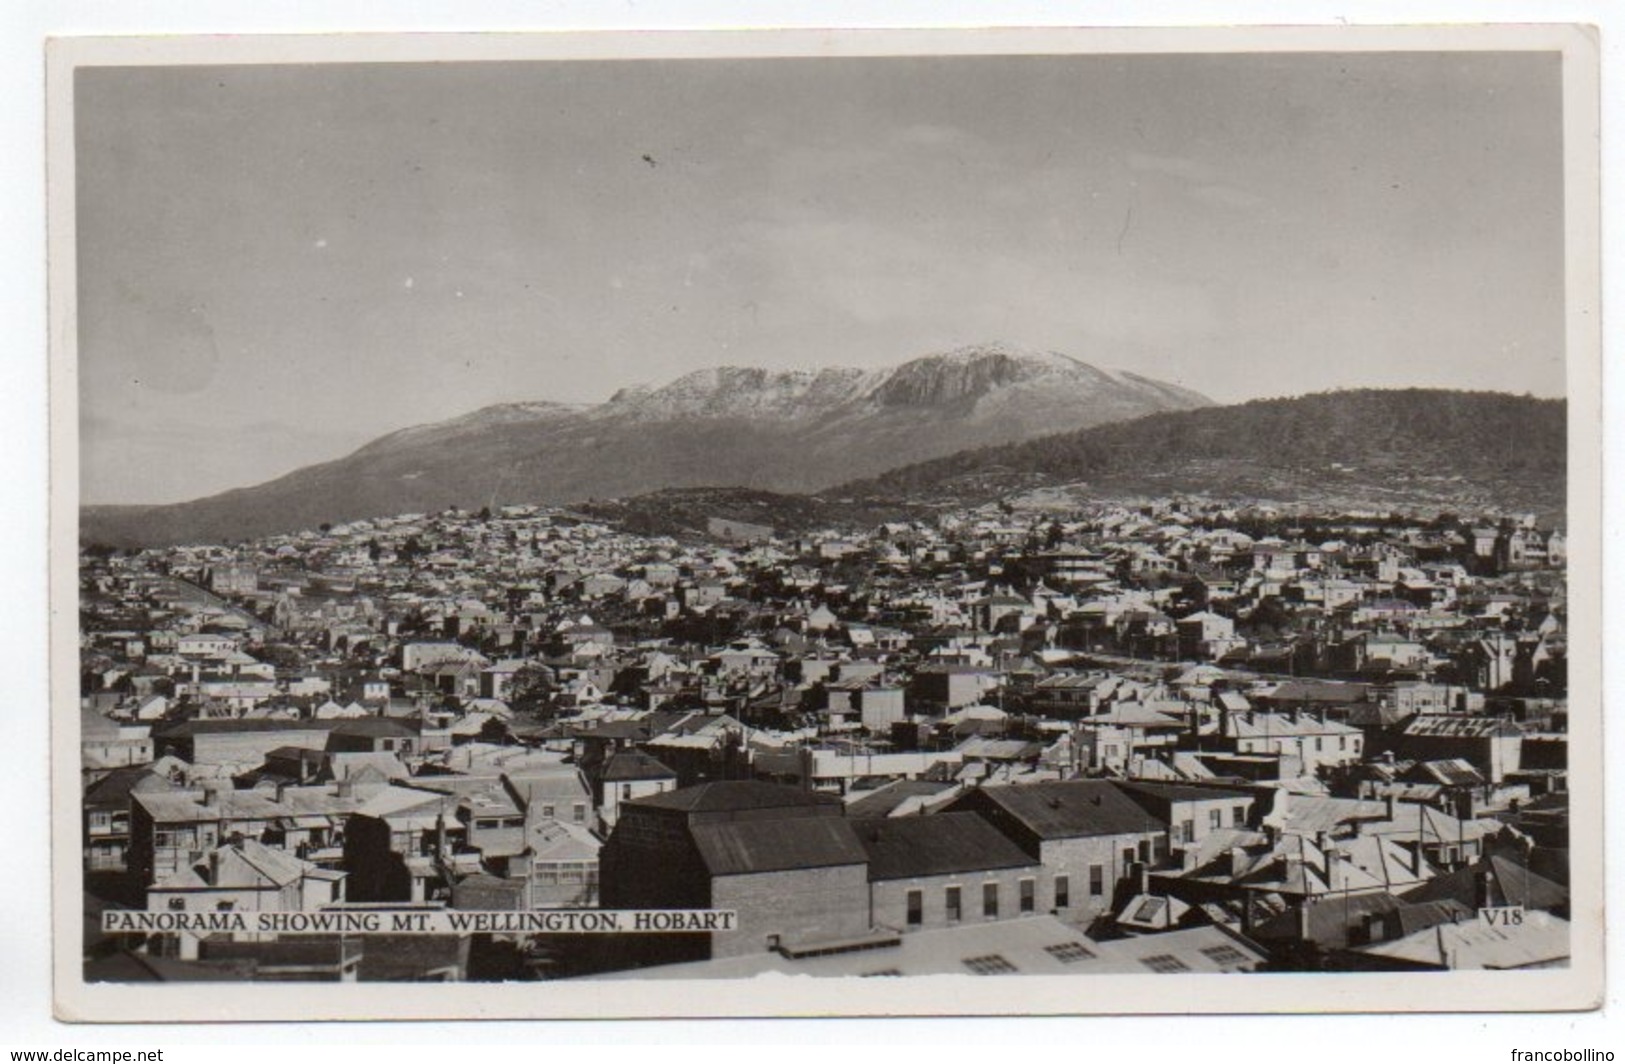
(1167, 736)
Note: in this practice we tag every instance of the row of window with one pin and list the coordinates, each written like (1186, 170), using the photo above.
(1026, 897)
(1186, 830)
(566, 874)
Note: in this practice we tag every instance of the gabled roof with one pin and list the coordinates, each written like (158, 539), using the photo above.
(375, 727)
(628, 765)
(942, 844)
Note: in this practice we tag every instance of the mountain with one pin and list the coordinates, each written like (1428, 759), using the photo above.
(1367, 449)
(730, 426)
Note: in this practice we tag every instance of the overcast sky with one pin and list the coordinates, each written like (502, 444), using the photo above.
(278, 264)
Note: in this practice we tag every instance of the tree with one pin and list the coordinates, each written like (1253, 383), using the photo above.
(530, 688)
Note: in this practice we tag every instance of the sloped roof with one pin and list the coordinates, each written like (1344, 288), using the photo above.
(1178, 792)
(730, 795)
(374, 727)
(629, 765)
(1511, 883)
(1073, 808)
(741, 847)
(881, 802)
(1473, 944)
(1439, 726)
(942, 844)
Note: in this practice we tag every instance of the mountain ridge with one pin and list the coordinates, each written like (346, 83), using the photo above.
(740, 426)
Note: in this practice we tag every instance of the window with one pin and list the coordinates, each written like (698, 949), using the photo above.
(1097, 881)
(626, 791)
(580, 813)
(916, 908)
(1063, 892)
(1070, 952)
(548, 811)
(952, 903)
(1215, 819)
(1027, 895)
(1145, 851)
(1165, 963)
(1225, 956)
(224, 906)
(991, 964)
(177, 904)
(1187, 831)
(990, 900)
(1150, 911)
(1238, 816)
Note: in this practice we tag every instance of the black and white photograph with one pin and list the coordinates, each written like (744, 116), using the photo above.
(577, 522)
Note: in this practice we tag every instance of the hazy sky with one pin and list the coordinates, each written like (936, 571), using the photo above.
(280, 263)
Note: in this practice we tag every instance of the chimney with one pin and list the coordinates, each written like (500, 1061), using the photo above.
(1388, 800)
(211, 796)
(1305, 932)
(345, 789)
(1483, 888)
(281, 792)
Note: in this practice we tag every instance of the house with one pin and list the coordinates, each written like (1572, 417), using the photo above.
(1192, 813)
(1493, 746)
(628, 775)
(392, 843)
(1540, 940)
(1206, 635)
(560, 866)
(943, 870)
(107, 744)
(206, 645)
(241, 875)
(236, 742)
(784, 859)
(1307, 741)
(941, 688)
(106, 806)
(378, 735)
(1089, 836)
(172, 830)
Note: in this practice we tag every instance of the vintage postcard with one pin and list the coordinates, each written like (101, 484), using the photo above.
(798, 523)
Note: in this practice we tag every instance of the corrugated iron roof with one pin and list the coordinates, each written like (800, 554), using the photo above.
(1073, 808)
(906, 847)
(741, 847)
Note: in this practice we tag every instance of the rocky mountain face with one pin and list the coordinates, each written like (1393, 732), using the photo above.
(729, 426)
